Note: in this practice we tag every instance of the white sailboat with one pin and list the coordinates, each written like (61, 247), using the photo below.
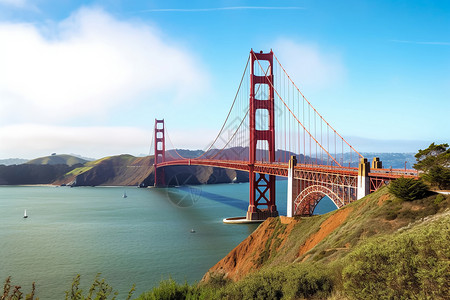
(25, 214)
(124, 195)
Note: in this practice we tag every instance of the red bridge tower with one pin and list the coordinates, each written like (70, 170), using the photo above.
(262, 187)
(160, 152)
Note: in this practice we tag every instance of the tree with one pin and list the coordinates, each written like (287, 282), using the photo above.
(435, 163)
(408, 188)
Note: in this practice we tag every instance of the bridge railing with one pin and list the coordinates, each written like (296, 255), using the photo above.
(396, 172)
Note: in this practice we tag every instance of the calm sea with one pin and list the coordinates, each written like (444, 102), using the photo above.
(141, 239)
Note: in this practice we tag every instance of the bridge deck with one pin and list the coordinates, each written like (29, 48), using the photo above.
(281, 169)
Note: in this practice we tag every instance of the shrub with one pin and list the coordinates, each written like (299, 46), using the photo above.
(391, 215)
(408, 188)
(439, 198)
(293, 282)
(408, 265)
(169, 290)
(217, 280)
(16, 294)
(99, 290)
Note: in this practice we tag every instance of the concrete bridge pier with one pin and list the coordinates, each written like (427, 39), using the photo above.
(363, 178)
(292, 187)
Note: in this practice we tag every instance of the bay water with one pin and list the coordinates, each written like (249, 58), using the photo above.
(141, 239)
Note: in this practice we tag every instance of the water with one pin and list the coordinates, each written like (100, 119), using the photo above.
(140, 239)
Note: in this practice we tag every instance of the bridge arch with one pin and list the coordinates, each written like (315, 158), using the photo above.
(307, 200)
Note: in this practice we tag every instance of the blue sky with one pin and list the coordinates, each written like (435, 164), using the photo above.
(90, 77)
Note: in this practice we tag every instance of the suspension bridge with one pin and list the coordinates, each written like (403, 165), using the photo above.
(272, 130)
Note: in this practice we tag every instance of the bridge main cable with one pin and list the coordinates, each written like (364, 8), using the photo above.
(225, 122)
(309, 103)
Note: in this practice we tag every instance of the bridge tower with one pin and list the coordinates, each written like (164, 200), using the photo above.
(262, 187)
(160, 152)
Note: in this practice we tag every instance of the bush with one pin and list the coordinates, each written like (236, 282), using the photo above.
(218, 280)
(408, 188)
(408, 265)
(297, 281)
(169, 290)
(99, 290)
(439, 198)
(391, 215)
(16, 294)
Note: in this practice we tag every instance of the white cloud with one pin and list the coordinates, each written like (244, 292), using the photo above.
(87, 64)
(33, 140)
(308, 64)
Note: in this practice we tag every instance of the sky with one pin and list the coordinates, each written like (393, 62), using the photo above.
(90, 77)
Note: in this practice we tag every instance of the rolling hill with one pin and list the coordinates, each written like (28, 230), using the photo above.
(378, 247)
(57, 159)
(128, 170)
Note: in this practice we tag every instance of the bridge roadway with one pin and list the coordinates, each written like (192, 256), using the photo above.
(281, 169)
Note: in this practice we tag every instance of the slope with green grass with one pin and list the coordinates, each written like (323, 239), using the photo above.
(128, 170)
(59, 159)
(378, 247)
(120, 170)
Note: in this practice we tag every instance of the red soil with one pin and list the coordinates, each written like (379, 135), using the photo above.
(328, 226)
(241, 260)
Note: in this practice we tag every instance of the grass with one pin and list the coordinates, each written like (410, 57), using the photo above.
(273, 242)
(125, 158)
(412, 263)
(78, 171)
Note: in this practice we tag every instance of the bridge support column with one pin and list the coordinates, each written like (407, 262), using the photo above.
(363, 178)
(262, 193)
(292, 191)
(160, 152)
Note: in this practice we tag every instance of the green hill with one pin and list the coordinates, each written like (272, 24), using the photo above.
(128, 170)
(60, 159)
(378, 247)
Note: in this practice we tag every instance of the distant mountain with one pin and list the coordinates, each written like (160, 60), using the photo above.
(186, 153)
(57, 159)
(394, 160)
(128, 170)
(13, 161)
(120, 170)
(31, 174)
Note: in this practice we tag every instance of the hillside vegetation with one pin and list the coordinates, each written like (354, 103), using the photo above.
(31, 174)
(128, 170)
(60, 159)
(379, 247)
(114, 170)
